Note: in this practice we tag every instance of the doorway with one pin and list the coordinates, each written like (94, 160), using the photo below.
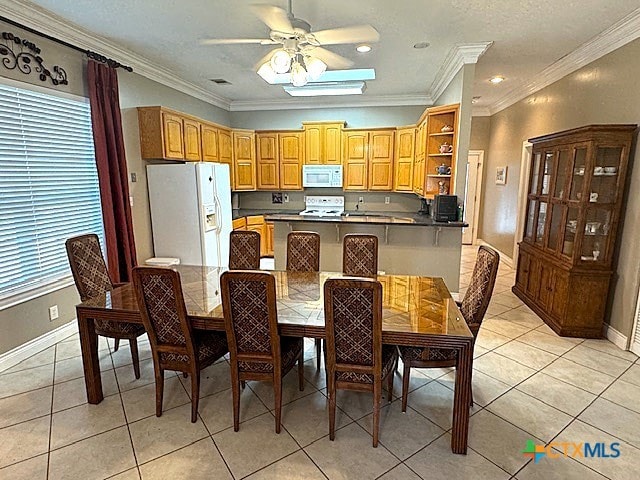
(523, 190)
(472, 195)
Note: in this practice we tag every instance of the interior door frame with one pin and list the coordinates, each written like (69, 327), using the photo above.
(478, 193)
(523, 192)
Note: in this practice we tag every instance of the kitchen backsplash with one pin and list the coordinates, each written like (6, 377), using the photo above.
(373, 201)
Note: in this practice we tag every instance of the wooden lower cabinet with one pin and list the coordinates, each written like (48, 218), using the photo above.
(256, 223)
(269, 239)
(570, 300)
(239, 223)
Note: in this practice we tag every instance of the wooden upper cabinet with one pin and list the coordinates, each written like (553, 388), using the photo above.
(381, 143)
(192, 140)
(291, 146)
(404, 158)
(244, 159)
(173, 134)
(209, 140)
(356, 144)
(225, 152)
(323, 142)
(267, 167)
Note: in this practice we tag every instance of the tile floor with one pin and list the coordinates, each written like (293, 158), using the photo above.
(528, 384)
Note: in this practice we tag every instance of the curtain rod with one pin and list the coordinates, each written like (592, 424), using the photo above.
(93, 55)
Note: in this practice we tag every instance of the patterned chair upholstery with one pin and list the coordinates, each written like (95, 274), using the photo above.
(356, 358)
(360, 255)
(256, 349)
(303, 252)
(473, 307)
(174, 346)
(92, 279)
(244, 251)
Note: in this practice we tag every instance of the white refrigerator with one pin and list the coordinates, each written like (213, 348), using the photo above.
(191, 212)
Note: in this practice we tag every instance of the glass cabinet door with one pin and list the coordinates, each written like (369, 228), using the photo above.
(555, 226)
(531, 215)
(547, 172)
(542, 217)
(570, 230)
(604, 180)
(595, 242)
(577, 178)
(564, 157)
(535, 174)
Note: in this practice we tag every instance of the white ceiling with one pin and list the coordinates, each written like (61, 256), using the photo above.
(528, 36)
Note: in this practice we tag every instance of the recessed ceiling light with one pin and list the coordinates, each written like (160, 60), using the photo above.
(363, 48)
(475, 99)
(421, 45)
(497, 79)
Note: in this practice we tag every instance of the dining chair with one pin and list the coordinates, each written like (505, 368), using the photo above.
(473, 307)
(360, 255)
(91, 277)
(244, 250)
(257, 351)
(303, 255)
(174, 344)
(356, 357)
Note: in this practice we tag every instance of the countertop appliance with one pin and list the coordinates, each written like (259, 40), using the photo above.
(322, 176)
(191, 212)
(323, 206)
(445, 208)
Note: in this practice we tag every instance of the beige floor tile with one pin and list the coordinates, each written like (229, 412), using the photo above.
(74, 392)
(69, 426)
(32, 469)
(24, 440)
(561, 395)
(44, 357)
(502, 369)
(435, 401)
(290, 389)
(356, 404)
(25, 406)
(295, 466)
(498, 440)
(403, 434)
(418, 377)
(613, 419)
(508, 299)
(123, 355)
(526, 354)
(254, 446)
(496, 309)
(625, 394)
(401, 472)
(351, 455)
(94, 458)
(156, 436)
(437, 462)
(314, 376)
(539, 419)
(307, 419)
(127, 379)
(625, 467)
(131, 474)
(597, 360)
(72, 348)
(141, 402)
(213, 379)
(523, 316)
(631, 376)
(561, 468)
(578, 375)
(551, 343)
(505, 327)
(478, 351)
(198, 461)
(606, 346)
(216, 410)
(71, 368)
(20, 382)
(489, 339)
(544, 328)
(485, 388)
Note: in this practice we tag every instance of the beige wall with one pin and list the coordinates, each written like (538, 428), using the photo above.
(605, 91)
(480, 137)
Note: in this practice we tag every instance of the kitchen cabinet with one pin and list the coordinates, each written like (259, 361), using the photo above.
(368, 159)
(239, 223)
(268, 159)
(225, 152)
(440, 140)
(403, 159)
(256, 223)
(161, 133)
(269, 239)
(280, 159)
(192, 145)
(323, 142)
(575, 195)
(419, 162)
(244, 159)
(209, 138)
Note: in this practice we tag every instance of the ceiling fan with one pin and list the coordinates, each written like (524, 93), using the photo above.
(299, 50)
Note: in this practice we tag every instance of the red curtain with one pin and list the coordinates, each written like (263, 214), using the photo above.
(112, 169)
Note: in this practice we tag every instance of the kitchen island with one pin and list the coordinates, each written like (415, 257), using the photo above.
(408, 243)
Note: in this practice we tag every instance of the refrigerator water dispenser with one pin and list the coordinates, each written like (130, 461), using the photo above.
(210, 221)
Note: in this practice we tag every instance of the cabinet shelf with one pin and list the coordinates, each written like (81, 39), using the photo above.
(438, 176)
(440, 134)
(441, 154)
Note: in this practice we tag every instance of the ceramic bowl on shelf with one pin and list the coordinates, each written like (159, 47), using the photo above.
(610, 170)
(446, 129)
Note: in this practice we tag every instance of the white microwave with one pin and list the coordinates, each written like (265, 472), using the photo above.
(322, 176)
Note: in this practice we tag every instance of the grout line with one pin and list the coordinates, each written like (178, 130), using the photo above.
(53, 389)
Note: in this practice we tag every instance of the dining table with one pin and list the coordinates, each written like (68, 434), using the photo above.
(417, 311)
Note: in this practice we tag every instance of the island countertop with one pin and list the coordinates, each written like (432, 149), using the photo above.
(369, 217)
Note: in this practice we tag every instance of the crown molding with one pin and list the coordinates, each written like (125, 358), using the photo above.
(334, 102)
(44, 21)
(480, 112)
(457, 57)
(614, 37)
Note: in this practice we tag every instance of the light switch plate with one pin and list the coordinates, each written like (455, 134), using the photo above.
(53, 313)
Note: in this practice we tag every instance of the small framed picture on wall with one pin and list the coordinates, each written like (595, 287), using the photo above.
(501, 175)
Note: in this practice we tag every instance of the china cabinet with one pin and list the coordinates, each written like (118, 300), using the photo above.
(575, 195)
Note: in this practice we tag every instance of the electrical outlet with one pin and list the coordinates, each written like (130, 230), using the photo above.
(285, 197)
(360, 199)
(387, 200)
(53, 313)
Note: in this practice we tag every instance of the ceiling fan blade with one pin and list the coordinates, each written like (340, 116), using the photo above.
(333, 60)
(236, 41)
(265, 59)
(274, 17)
(354, 34)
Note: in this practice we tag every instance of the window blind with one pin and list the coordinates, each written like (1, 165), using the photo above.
(48, 187)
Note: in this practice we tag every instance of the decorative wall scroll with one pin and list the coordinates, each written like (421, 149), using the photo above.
(19, 53)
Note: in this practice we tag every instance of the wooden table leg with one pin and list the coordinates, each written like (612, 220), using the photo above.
(90, 361)
(462, 399)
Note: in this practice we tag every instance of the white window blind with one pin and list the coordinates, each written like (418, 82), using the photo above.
(48, 187)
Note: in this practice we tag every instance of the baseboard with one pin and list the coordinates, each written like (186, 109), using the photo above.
(615, 337)
(26, 350)
(504, 258)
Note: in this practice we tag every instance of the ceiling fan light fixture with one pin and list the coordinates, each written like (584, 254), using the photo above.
(364, 48)
(267, 73)
(280, 61)
(315, 68)
(298, 75)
